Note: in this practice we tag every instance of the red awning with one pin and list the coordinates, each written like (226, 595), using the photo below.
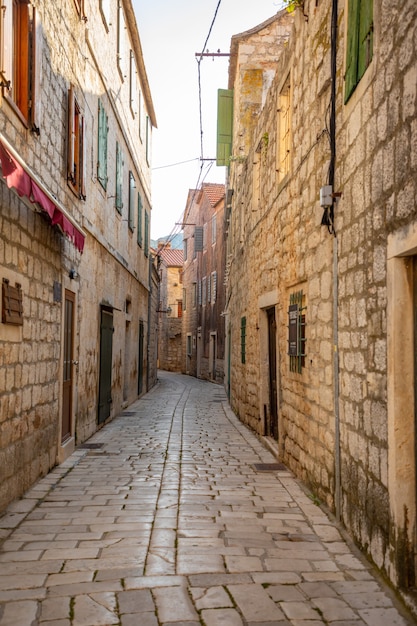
(18, 176)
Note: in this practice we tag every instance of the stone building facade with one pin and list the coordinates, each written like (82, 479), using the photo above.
(170, 308)
(203, 281)
(322, 245)
(76, 119)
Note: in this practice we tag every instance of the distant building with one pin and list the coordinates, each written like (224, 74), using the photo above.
(170, 306)
(204, 270)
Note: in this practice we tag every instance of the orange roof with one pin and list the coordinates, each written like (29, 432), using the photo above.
(214, 192)
(172, 257)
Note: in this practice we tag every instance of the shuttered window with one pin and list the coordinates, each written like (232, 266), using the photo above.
(76, 155)
(119, 179)
(102, 145)
(213, 287)
(224, 126)
(198, 238)
(132, 197)
(146, 233)
(18, 57)
(12, 304)
(359, 49)
(140, 219)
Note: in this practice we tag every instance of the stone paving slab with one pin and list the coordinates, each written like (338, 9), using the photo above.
(169, 523)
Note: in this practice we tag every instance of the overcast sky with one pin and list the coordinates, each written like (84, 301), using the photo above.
(172, 32)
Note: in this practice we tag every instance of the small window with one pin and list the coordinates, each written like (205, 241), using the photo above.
(359, 48)
(12, 304)
(243, 340)
(102, 145)
(76, 146)
(296, 332)
(189, 345)
(119, 178)
(179, 308)
(132, 197)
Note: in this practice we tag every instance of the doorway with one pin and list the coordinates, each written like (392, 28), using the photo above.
(272, 417)
(67, 379)
(106, 355)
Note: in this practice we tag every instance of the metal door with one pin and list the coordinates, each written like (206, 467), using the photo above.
(67, 383)
(106, 354)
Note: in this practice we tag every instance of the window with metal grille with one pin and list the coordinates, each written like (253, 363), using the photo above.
(12, 303)
(296, 332)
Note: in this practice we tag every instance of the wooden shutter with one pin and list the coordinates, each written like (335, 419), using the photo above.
(12, 305)
(352, 48)
(102, 145)
(224, 126)
(6, 42)
(146, 233)
(83, 159)
(198, 238)
(140, 232)
(71, 139)
(132, 187)
(119, 178)
(365, 36)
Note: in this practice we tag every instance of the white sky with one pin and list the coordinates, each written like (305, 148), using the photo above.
(172, 32)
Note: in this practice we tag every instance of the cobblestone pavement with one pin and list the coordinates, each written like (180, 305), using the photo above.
(166, 521)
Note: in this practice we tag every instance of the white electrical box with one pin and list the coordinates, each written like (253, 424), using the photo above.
(326, 196)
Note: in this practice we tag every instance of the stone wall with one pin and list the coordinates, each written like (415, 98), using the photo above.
(354, 276)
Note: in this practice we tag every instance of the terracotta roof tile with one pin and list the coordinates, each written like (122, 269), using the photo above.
(214, 192)
(172, 257)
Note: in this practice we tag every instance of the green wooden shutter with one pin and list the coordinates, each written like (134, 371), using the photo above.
(140, 232)
(224, 126)
(102, 146)
(146, 233)
(119, 178)
(131, 215)
(365, 43)
(352, 48)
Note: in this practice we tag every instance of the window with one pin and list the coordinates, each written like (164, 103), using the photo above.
(296, 332)
(105, 12)
(132, 84)
(184, 299)
(243, 340)
(194, 295)
(131, 208)
(17, 57)
(213, 229)
(284, 131)
(200, 293)
(119, 178)
(79, 5)
(146, 233)
(359, 48)
(198, 239)
(148, 140)
(102, 145)
(213, 287)
(76, 157)
(12, 305)
(140, 211)
(189, 345)
(204, 291)
(179, 308)
(121, 27)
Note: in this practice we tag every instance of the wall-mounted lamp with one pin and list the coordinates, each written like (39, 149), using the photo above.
(73, 274)
(169, 310)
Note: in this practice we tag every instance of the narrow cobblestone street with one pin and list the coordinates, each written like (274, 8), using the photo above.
(163, 519)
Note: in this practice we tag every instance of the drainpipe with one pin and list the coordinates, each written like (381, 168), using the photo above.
(332, 130)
